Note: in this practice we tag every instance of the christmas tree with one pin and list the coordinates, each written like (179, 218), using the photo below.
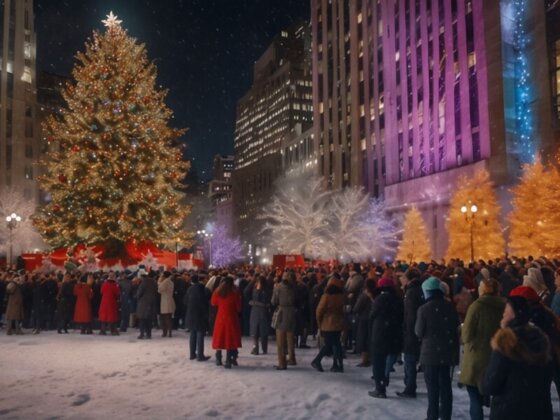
(114, 169)
(475, 213)
(535, 219)
(414, 246)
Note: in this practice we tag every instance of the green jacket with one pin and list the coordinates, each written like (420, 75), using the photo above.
(481, 323)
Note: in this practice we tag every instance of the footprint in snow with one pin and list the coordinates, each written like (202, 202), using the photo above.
(212, 413)
(81, 399)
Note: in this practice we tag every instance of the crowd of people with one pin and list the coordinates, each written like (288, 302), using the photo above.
(503, 314)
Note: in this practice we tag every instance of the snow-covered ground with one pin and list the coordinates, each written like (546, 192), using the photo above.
(92, 377)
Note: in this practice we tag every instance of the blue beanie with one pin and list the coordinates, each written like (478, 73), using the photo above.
(430, 286)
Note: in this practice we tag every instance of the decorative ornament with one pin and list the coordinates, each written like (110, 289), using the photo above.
(111, 21)
(62, 178)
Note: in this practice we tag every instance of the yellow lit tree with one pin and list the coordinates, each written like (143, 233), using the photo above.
(414, 246)
(487, 238)
(114, 171)
(535, 219)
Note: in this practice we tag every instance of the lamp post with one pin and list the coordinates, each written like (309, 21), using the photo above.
(13, 219)
(470, 212)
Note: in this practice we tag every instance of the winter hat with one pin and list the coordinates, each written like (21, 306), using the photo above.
(534, 279)
(520, 307)
(385, 282)
(431, 286)
(527, 293)
(142, 272)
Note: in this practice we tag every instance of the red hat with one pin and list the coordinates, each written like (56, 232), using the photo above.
(386, 282)
(525, 292)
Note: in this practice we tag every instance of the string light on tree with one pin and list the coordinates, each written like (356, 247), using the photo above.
(116, 172)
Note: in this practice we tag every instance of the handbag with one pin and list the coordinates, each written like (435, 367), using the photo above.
(276, 318)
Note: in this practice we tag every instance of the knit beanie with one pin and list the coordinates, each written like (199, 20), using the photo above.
(431, 286)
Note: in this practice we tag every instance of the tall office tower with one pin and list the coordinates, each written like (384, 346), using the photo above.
(410, 94)
(19, 131)
(220, 190)
(279, 99)
(553, 40)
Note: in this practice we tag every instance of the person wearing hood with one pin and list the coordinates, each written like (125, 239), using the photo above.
(437, 326)
(520, 370)
(386, 320)
(534, 279)
(481, 323)
(330, 319)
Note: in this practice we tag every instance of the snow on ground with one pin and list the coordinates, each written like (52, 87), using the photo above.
(75, 376)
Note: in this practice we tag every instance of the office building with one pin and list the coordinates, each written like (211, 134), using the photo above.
(19, 130)
(279, 99)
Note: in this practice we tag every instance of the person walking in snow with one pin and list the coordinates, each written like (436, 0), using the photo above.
(437, 327)
(109, 306)
(197, 303)
(330, 319)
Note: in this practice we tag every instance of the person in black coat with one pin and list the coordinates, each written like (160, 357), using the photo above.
(302, 314)
(520, 371)
(361, 311)
(146, 306)
(413, 299)
(437, 326)
(386, 320)
(197, 306)
(314, 299)
(65, 304)
(125, 300)
(258, 293)
(179, 290)
(49, 296)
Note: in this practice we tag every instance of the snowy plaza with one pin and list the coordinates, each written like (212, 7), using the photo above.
(70, 376)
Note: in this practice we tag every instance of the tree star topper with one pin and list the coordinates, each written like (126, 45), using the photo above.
(111, 20)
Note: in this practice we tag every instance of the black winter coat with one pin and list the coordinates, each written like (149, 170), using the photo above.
(65, 302)
(519, 375)
(386, 319)
(197, 301)
(147, 298)
(413, 299)
(259, 301)
(437, 326)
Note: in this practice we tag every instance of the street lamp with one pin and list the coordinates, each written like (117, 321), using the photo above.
(13, 219)
(469, 213)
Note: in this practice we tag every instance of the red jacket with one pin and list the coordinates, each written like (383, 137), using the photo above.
(227, 331)
(82, 310)
(109, 307)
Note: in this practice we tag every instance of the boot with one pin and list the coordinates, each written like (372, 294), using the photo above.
(229, 361)
(19, 331)
(218, 358)
(9, 331)
(265, 346)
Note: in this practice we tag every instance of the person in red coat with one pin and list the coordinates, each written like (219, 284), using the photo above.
(109, 307)
(227, 331)
(82, 310)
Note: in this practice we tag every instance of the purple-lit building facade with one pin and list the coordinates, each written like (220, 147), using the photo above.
(410, 94)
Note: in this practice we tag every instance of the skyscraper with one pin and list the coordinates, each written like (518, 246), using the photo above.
(19, 131)
(279, 99)
(410, 94)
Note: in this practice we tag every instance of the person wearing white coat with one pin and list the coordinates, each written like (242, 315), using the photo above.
(167, 304)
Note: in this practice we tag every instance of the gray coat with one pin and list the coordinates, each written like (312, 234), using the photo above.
(14, 308)
(146, 295)
(437, 326)
(284, 299)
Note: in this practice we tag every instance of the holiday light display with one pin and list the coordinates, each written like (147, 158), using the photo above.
(414, 246)
(535, 219)
(114, 170)
(484, 236)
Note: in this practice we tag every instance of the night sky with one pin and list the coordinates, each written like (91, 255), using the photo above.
(204, 51)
